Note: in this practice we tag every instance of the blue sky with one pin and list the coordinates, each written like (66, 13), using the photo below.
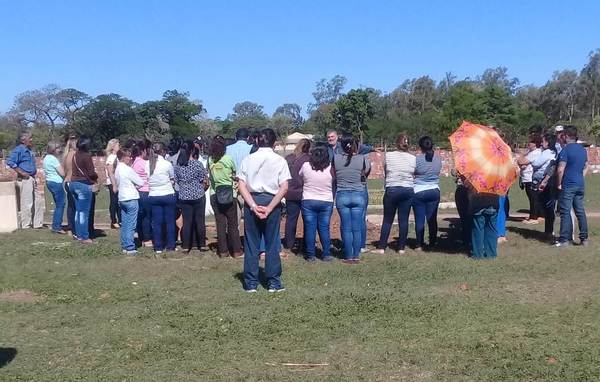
(273, 52)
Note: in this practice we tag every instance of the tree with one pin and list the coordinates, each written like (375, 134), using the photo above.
(327, 92)
(291, 111)
(590, 82)
(499, 77)
(557, 97)
(71, 102)
(249, 115)
(354, 109)
(41, 107)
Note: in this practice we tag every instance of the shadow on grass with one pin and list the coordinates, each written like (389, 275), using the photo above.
(527, 233)
(262, 279)
(7, 355)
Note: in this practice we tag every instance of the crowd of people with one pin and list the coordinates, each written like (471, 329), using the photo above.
(158, 195)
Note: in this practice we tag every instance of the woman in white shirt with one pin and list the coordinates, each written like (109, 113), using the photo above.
(128, 182)
(534, 151)
(399, 182)
(112, 147)
(162, 199)
(263, 181)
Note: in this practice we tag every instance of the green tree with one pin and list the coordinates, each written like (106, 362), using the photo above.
(354, 110)
(249, 115)
(327, 92)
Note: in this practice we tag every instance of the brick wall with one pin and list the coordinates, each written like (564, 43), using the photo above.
(376, 164)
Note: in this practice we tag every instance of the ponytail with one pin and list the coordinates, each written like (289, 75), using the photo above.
(426, 145)
(349, 146)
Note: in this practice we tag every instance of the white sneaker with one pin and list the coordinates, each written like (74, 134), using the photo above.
(250, 290)
(273, 290)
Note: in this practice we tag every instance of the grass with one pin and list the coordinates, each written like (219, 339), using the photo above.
(532, 314)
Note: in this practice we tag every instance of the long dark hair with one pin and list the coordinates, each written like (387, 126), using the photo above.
(551, 139)
(217, 148)
(188, 148)
(349, 145)
(319, 158)
(154, 151)
(83, 144)
(426, 145)
(137, 149)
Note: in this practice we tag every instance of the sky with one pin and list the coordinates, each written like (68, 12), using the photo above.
(273, 52)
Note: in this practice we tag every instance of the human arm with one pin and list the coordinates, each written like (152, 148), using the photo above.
(248, 199)
(560, 172)
(264, 211)
(13, 162)
(365, 149)
(134, 177)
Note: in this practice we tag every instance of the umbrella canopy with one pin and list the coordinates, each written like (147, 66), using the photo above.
(481, 156)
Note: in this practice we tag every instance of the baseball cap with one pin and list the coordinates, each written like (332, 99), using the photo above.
(559, 128)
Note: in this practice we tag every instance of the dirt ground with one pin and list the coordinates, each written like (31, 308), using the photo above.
(20, 296)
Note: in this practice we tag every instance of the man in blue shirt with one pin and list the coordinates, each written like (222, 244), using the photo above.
(333, 146)
(572, 167)
(29, 201)
(241, 148)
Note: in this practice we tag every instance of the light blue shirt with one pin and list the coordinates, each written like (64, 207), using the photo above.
(238, 151)
(51, 165)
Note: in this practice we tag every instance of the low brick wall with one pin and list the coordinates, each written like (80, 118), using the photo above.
(377, 160)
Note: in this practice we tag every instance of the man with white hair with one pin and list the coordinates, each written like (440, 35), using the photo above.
(29, 201)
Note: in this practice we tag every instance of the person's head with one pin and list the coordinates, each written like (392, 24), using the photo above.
(242, 134)
(25, 139)
(302, 147)
(229, 141)
(571, 133)
(266, 138)
(319, 158)
(112, 146)
(83, 144)
(402, 142)
(124, 156)
(53, 148)
(426, 145)
(174, 146)
(349, 146)
(253, 137)
(138, 149)
(217, 148)
(535, 141)
(154, 151)
(186, 152)
(560, 134)
(549, 142)
(332, 137)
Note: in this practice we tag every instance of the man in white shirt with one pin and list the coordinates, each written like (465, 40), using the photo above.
(263, 182)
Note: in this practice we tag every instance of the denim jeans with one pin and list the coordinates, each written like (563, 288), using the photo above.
(484, 236)
(572, 197)
(70, 208)
(502, 215)
(129, 213)
(363, 231)
(425, 205)
(547, 200)
(351, 206)
(83, 194)
(163, 214)
(254, 229)
(58, 194)
(291, 221)
(316, 215)
(395, 200)
(144, 223)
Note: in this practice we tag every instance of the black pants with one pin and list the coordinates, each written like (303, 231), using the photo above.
(91, 228)
(228, 233)
(70, 208)
(291, 221)
(535, 206)
(461, 198)
(548, 200)
(194, 226)
(115, 211)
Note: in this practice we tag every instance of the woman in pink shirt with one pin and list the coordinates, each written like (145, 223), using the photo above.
(317, 202)
(141, 167)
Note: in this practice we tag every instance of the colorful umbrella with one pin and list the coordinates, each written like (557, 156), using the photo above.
(481, 156)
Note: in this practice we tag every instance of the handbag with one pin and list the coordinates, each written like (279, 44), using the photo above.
(223, 193)
(94, 186)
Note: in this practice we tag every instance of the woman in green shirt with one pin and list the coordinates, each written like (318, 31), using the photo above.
(223, 199)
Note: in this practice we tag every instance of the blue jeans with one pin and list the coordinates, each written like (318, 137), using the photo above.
(254, 229)
(351, 206)
(425, 205)
(58, 194)
(70, 208)
(484, 236)
(363, 238)
(316, 215)
(82, 192)
(572, 197)
(129, 213)
(163, 214)
(144, 223)
(502, 215)
(395, 200)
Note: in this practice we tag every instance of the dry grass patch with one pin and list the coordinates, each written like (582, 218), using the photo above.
(23, 296)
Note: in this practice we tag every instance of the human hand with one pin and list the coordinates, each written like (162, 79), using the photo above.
(115, 188)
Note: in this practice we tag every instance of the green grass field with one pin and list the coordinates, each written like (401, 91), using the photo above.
(533, 314)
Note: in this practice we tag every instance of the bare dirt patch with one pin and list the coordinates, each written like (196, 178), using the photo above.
(21, 296)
